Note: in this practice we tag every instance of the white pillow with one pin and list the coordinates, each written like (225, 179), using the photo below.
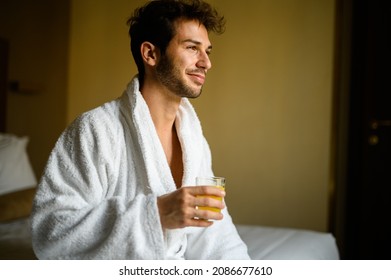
(15, 169)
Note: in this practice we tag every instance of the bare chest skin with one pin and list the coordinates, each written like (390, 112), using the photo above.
(173, 151)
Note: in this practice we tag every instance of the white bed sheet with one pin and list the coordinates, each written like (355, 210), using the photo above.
(262, 242)
(273, 243)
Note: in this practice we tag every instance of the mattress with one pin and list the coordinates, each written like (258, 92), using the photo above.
(270, 243)
(273, 243)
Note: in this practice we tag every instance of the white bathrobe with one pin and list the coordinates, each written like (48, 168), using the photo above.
(97, 198)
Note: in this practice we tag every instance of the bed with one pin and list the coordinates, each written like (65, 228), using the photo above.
(264, 243)
(17, 191)
(274, 243)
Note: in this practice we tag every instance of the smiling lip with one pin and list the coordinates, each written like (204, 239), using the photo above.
(199, 78)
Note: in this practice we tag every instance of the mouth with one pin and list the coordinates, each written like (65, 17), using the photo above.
(198, 78)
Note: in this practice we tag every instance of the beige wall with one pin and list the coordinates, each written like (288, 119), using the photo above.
(266, 108)
(100, 60)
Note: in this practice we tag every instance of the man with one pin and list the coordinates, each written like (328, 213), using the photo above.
(119, 183)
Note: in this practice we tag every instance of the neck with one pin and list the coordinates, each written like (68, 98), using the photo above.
(163, 105)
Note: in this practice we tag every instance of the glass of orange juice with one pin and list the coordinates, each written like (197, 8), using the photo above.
(218, 182)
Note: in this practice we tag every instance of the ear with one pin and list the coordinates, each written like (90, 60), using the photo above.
(149, 53)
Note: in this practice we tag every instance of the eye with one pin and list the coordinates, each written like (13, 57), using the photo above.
(192, 48)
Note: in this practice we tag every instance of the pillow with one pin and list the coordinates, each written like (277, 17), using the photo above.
(15, 169)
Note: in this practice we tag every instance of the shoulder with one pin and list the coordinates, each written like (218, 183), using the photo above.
(104, 118)
(94, 129)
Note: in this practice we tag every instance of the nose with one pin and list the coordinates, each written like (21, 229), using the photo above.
(204, 61)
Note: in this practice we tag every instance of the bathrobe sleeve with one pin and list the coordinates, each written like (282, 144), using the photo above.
(81, 210)
(221, 240)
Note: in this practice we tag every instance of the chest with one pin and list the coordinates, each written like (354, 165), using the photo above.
(173, 152)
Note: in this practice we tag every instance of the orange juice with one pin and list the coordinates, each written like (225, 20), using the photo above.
(214, 197)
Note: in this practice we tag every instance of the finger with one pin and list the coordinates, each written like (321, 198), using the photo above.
(198, 219)
(207, 190)
(196, 222)
(207, 214)
(209, 201)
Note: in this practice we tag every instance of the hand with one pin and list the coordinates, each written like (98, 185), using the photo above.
(178, 209)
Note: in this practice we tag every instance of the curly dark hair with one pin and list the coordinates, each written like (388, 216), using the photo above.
(155, 22)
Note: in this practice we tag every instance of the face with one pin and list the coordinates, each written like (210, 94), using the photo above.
(182, 69)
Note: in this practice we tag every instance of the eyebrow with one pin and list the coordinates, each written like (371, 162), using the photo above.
(196, 42)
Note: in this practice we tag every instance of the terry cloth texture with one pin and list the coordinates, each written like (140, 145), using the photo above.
(97, 198)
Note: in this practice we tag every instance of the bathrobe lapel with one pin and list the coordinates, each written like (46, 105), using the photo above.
(159, 175)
